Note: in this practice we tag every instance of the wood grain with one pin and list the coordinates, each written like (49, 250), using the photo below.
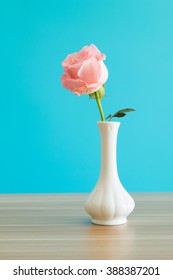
(57, 227)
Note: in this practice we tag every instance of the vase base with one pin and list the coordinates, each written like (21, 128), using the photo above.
(114, 222)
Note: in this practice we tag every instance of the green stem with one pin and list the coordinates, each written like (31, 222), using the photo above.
(99, 106)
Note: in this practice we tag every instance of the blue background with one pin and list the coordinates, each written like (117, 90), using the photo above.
(49, 137)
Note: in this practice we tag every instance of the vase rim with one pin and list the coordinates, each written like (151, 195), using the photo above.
(107, 122)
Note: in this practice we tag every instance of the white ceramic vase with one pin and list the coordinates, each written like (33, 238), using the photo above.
(109, 203)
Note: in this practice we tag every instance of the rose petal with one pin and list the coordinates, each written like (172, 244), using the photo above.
(72, 71)
(72, 84)
(90, 71)
(93, 87)
(75, 58)
(83, 54)
(88, 88)
(94, 52)
(104, 72)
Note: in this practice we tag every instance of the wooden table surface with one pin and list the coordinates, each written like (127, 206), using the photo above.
(57, 227)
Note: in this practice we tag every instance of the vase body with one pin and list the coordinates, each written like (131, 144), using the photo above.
(109, 203)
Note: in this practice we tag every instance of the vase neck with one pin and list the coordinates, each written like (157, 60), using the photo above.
(108, 134)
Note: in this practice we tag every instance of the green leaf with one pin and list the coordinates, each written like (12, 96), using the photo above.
(119, 114)
(110, 116)
(126, 110)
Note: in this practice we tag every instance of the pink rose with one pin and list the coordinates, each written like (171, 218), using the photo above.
(85, 71)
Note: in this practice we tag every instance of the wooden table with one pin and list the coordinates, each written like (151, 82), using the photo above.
(57, 227)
